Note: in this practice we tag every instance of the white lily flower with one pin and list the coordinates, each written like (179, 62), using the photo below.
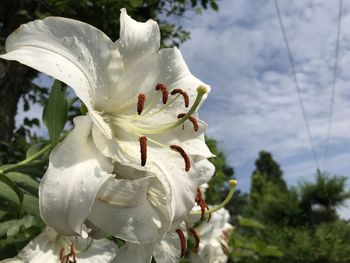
(169, 250)
(213, 239)
(140, 99)
(50, 247)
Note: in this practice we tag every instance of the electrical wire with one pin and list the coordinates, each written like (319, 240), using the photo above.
(334, 80)
(297, 87)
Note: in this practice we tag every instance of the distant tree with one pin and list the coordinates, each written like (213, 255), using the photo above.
(319, 200)
(267, 175)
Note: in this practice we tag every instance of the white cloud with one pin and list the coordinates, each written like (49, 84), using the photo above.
(254, 104)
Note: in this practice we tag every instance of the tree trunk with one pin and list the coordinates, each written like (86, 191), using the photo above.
(12, 82)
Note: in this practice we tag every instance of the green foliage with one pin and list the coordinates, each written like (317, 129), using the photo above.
(15, 233)
(56, 111)
(267, 175)
(223, 172)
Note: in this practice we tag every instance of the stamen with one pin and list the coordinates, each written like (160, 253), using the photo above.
(184, 155)
(165, 92)
(201, 202)
(143, 149)
(141, 103)
(61, 255)
(229, 196)
(146, 129)
(191, 119)
(72, 252)
(184, 94)
(225, 249)
(196, 238)
(183, 241)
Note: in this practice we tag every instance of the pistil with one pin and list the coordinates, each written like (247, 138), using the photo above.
(229, 196)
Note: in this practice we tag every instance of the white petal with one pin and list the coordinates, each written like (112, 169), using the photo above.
(168, 250)
(134, 253)
(75, 174)
(137, 39)
(46, 248)
(74, 52)
(128, 209)
(167, 165)
(100, 251)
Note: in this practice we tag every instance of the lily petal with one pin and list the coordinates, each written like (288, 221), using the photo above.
(46, 247)
(74, 52)
(168, 250)
(75, 174)
(129, 210)
(137, 39)
(135, 253)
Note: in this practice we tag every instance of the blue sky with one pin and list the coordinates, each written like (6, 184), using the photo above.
(240, 52)
(253, 105)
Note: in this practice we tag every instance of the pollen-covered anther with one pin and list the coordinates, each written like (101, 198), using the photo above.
(141, 103)
(62, 257)
(184, 155)
(191, 119)
(184, 95)
(72, 252)
(201, 202)
(196, 238)
(182, 241)
(164, 90)
(143, 149)
(70, 257)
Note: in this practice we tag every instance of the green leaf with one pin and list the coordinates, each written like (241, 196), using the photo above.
(249, 222)
(30, 203)
(56, 111)
(7, 181)
(83, 109)
(34, 149)
(12, 227)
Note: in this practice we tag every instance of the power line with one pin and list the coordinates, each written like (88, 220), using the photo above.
(335, 70)
(297, 87)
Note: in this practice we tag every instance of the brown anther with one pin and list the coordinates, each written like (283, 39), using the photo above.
(164, 90)
(191, 119)
(61, 254)
(201, 202)
(225, 249)
(184, 95)
(184, 155)
(182, 241)
(196, 238)
(141, 103)
(70, 257)
(143, 149)
(72, 252)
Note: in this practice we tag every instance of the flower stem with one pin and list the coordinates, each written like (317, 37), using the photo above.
(11, 167)
(229, 196)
